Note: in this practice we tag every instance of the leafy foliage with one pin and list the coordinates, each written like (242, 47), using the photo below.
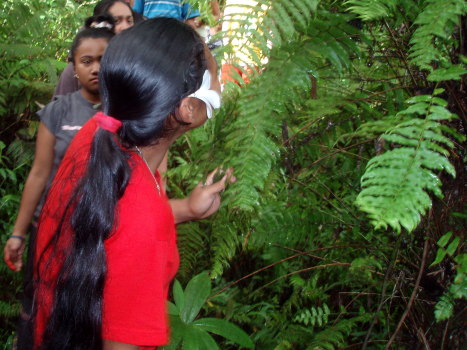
(458, 289)
(35, 36)
(337, 115)
(428, 43)
(192, 333)
(318, 316)
(399, 199)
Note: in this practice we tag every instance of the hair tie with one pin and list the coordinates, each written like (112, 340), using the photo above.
(107, 122)
(102, 24)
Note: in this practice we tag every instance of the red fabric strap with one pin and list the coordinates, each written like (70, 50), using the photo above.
(107, 122)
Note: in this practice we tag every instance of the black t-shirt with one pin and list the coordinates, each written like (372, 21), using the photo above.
(64, 116)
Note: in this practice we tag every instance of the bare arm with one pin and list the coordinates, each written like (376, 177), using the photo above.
(33, 189)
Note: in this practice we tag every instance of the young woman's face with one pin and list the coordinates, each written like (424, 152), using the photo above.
(87, 60)
(122, 16)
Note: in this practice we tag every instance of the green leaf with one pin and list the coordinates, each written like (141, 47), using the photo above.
(196, 293)
(461, 261)
(459, 290)
(444, 239)
(419, 98)
(194, 338)
(173, 309)
(177, 329)
(225, 329)
(208, 342)
(179, 297)
(455, 72)
(440, 254)
(451, 249)
(191, 339)
(444, 308)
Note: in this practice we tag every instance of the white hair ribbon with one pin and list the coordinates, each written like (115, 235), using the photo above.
(102, 24)
(211, 98)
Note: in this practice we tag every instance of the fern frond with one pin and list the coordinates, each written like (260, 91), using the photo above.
(191, 241)
(334, 337)
(225, 240)
(313, 316)
(395, 184)
(435, 26)
(282, 86)
(369, 10)
(9, 310)
(257, 26)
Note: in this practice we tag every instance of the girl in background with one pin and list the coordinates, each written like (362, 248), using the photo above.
(123, 17)
(60, 120)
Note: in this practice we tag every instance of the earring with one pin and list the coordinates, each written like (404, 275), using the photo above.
(76, 76)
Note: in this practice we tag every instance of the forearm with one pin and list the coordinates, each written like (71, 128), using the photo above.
(181, 210)
(30, 198)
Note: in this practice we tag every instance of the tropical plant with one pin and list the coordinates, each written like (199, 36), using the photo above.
(336, 109)
(191, 332)
(35, 36)
(345, 125)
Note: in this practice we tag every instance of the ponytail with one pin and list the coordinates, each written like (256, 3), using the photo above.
(76, 320)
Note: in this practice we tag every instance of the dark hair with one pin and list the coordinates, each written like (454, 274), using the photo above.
(145, 72)
(104, 6)
(90, 32)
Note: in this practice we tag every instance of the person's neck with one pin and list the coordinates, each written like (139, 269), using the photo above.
(154, 154)
(93, 98)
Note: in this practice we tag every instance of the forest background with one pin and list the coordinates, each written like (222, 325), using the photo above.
(345, 229)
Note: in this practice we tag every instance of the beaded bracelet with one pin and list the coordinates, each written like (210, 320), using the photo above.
(19, 237)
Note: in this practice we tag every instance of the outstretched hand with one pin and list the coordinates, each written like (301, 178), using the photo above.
(204, 200)
(13, 253)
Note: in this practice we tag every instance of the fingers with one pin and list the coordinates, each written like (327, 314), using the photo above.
(14, 263)
(12, 255)
(215, 187)
(210, 178)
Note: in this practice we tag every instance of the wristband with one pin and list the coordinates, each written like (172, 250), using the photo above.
(19, 237)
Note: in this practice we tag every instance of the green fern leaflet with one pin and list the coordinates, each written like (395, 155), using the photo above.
(395, 183)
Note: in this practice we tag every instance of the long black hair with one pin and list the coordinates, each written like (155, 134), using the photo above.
(145, 72)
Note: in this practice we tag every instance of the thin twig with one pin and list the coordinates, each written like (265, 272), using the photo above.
(338, 151)
(392, 297)
(321, 258)
(303, 270)
(346, 306)
(424, 340)
(383, 293)
(445, 332)
(399, 50)
(299, 253)
(412, 297)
